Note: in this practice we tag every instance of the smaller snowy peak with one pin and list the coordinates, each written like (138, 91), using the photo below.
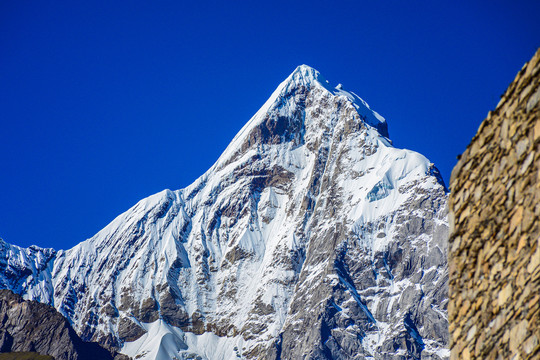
(27, 270)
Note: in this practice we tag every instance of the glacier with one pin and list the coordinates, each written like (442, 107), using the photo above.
(311, 237)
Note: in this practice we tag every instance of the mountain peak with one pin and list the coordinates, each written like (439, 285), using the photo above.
(306, 73)
(283, 118)
(309, 207)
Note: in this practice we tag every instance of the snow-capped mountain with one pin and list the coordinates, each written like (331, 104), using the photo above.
(311, 237)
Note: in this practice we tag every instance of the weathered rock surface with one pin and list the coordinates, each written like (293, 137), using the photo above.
(30, 326)
(311, 237)
(494, 307)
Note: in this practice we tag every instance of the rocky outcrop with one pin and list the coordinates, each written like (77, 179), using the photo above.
(29, 326)
(494, 254)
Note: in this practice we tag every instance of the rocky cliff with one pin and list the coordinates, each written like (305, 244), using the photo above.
(494, 247)
(30, 326)
(311, 237)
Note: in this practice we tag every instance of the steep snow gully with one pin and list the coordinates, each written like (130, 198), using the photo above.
(311, 237)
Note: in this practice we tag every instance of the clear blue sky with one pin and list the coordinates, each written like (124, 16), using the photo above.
(103, 103)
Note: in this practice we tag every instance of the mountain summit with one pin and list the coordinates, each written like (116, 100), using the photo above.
(311, 237)
(305, 79)
(305, 75)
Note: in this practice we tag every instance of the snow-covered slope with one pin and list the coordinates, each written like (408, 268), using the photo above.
(311, 237)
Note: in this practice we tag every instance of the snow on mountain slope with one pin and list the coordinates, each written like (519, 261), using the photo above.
(310, 237)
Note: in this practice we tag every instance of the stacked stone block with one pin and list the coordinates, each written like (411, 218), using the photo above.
(494, 252)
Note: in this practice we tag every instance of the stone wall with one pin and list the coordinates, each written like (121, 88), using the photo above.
(494, 253)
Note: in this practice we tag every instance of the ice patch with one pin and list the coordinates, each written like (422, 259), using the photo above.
(379, 191)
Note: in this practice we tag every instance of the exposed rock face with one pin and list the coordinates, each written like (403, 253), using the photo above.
(311, 237)
(494, 247)
(35, 327)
